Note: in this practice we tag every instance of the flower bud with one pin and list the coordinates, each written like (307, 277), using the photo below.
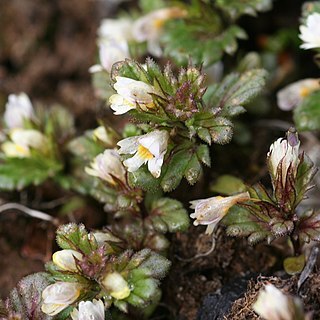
(116, 285)
(89, 311)
(59, 296)
(272, 304)
(18, 108)
(284, 155)
(210, 211)
(108, 166)
(65, 259)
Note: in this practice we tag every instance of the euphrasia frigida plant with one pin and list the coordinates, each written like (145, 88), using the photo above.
(178, 120)
(262, 215)
(32, 142)
(93, 266)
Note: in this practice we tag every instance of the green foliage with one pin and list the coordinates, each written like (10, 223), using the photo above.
(236, 8)
(75, 237)
(228, 185)
(18, 173)
(168, 215)
(307, 114)
(294, 265)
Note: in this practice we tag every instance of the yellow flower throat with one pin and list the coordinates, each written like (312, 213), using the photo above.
(144, 153)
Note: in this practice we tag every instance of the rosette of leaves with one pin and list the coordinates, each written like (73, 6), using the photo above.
(208, 30)
(272, 215)
(182, 107)
(106, 271)
(56, 126)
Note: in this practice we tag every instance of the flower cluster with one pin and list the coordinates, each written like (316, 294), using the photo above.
(94, 275)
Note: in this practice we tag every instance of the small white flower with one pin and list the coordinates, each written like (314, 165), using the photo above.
(116, 285)
(108, 166)
(150, 148)
(210, 211)
(272, 304)
(89, 311)
(18, 108)
(22, 141)
(293, 94)
(65, 259)
(284, 152)
(59, 296)
(310, 33)
(110, 52)
(149, 27)
(130, 95)
(117, 29)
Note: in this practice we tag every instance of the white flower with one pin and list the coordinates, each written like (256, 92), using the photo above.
(103, 237)
(89, 311)
(293, 94)
(149, 27)
(272, 304)
(150, 148)
(130, 95)
(210, 211)
(110, 52)
(22, 141)
(108, 166)
(65, 259)
(18, 108)
(310, 33)
(59, 296)
(116, 285)
(284, 152)
(117, 29)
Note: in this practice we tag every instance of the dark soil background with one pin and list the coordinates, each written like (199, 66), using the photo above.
(46, 48)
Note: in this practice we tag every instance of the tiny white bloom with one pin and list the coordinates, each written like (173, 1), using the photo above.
(293, 94)
(59, 296)
(65, 259)
(18, 108)
(108, 166)
(89, 311)
(22, 140)
(149, 27)
(110, 52)
(310, 33)
(117, 29)
(150, 148)
(116, 285)
(130, 95)
(286, 153)
(272, 304)
(210, 211)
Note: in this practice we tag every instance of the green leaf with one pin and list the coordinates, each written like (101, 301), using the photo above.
(85, 147)
(147, 5)
(203, 154)
(221, 130)
(175, 170)
(18, 173)
(143, 179)
(294, 265)
(75, 237)
(228, 185)
(168, 215)
(25, 298)
(308, 227)
(236, 8)
(307, 114)
(237, 90)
